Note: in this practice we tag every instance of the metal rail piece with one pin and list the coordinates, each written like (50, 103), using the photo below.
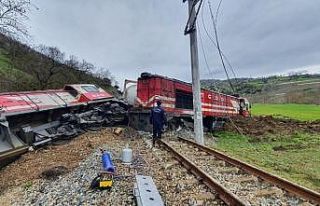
(280, 182)
(146, 192)
(228, 197)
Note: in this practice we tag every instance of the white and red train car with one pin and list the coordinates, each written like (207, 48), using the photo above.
(14, 103)
(39, 110)
(177, 100)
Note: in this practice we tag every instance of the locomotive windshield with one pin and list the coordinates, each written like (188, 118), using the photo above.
(90, 88)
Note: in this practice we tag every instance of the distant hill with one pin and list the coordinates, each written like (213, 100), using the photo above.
(23, 68)
(296, 88)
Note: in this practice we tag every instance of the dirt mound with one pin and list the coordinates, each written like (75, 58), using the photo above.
(261, 126)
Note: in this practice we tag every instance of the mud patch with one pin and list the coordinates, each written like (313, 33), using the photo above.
(54, 173)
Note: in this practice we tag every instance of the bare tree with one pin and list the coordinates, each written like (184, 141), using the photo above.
(72, 62)
(12, 15)
(50, 64)
(105, 75)
(86, 67)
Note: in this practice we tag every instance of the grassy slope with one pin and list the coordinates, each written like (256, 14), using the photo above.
(295, 158)
(293, 89)
(10, 74)
(304, 112)
(17, 76)
(4, 62)
(6, 67)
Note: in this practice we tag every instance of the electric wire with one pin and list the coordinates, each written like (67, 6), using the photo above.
(217, 11)
(189, 17)
(204, 55)
(216, 21)
(214, 43)
(218, 46)
(205, 58)
(218, 91)
(190, 27)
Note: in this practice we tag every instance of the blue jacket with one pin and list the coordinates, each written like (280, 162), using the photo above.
(158, 116)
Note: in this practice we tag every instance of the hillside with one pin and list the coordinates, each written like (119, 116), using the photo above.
(23, 68)
(298, 88)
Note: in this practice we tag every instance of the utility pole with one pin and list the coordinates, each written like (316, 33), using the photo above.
(191, 29)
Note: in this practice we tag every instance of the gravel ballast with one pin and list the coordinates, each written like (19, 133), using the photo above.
(65, 178)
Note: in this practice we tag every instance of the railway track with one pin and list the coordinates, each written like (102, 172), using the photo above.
(236, 182)
(175, 183)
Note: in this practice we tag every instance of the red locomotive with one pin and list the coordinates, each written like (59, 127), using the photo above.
(177, 100)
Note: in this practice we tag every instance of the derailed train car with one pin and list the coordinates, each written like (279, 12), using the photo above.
(177, 100)
(37, 117)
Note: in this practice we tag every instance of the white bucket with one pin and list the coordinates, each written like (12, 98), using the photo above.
(127, 156)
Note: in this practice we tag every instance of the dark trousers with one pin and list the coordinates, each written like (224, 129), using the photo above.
(157, 131)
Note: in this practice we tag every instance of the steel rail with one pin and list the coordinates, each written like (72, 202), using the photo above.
(228, 197)
(280, 182)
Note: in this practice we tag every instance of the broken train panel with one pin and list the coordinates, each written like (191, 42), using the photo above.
(37, 117)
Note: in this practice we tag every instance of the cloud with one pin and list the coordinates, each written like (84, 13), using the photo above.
(311, 69)
(129, 37)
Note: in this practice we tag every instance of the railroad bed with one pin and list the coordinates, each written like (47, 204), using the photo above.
(176, 183)
(81, 158)
(235, 181)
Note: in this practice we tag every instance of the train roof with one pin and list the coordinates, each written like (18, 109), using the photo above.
(48, 90)
(148, 75)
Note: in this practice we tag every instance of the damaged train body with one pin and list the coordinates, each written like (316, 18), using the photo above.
(37, 117)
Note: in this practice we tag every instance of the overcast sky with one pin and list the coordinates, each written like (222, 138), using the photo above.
(131, 36)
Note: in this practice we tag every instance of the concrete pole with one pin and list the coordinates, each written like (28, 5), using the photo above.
(196, 88)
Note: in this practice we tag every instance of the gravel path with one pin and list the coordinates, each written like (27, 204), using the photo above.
(74, 188)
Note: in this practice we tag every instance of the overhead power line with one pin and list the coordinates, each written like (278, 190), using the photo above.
(218, 45)
(190, 26)
(214, 43)
(218, 9)
(205, 58)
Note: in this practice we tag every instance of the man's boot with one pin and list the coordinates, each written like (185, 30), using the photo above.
(153, 142)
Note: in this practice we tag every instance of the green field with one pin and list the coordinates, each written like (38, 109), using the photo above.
(294, 157)
(303, 112)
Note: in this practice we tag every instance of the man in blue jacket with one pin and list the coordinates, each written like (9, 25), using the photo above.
(157, 119)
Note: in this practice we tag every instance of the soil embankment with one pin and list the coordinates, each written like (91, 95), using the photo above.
(263, 126)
